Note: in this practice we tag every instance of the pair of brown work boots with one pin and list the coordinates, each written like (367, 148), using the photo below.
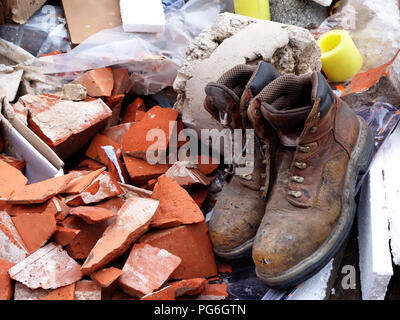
(296, 208)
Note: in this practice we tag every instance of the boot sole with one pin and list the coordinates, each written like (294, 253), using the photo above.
(359, 163)
(239, 253)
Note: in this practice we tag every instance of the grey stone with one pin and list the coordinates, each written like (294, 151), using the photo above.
(302, 13)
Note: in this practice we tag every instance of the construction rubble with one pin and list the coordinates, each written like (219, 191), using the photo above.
(86, 103)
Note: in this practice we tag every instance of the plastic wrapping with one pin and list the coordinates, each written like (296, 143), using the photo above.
(44, 32)
(153, 58)
(373, 25)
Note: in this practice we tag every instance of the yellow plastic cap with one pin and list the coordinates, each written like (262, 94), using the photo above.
(258, 9)
(340, 57)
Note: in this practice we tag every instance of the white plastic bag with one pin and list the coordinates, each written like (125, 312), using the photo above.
(154, 58)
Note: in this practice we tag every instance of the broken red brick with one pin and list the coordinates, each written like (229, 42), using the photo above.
(118, 170)
(87, 237)
(147, 269)
(199, 195)
(89, 164)
(22, 292)
(132, 221)
(63, 293)
(40, 192)
(132, 109)
(113, 204)
(136, 143)
(12, 247)
(105, 277)
(115, 104)
(50, 267)
(92, 215)
(214, 292)
(62, 208)
(166, 293)
(102, 188)
(224, 268)
(14, 162)
(184, 174)
(51, 206)
(189, 242)
(151, 184)
(176, 205)
(65, 236)
(81, 181)
(96, 152)
(6, 285)
(98, 82)
(207, 165)
(121, 81)
(114, 293)
(140, 171)
(140, 115)
(87, 290)
(116, 133)
(35, 229)
(11, 179)
(66, 126)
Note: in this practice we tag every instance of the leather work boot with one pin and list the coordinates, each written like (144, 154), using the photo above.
(240, 205)
(322, 147)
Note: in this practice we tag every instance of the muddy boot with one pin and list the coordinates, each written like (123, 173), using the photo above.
(323, 146)
(240, 205)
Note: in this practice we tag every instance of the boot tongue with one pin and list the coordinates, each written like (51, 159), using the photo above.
(287, 103)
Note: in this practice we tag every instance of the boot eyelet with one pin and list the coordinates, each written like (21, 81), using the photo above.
(297, 179)
(295, 194)
(300, 165)
(304, 149)
(313, 129)
(247, 177)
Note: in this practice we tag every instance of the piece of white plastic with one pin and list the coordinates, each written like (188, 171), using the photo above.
(325, 3)
(142, 16)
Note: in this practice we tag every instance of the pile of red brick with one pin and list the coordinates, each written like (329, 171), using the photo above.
(105, 230)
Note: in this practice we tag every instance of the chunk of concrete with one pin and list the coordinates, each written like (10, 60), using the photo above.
(9, 84)
(232, 40)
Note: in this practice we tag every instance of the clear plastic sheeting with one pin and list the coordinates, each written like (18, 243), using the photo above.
(153, 58)
(373, 25)
(43, 33)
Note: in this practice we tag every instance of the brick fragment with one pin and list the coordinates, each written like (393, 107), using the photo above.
(40, 192)
(199, 195)
(189, 242)
(22, 292)
(140, 171)
(35, 229)
(185, 174)
(65, 236)
(14, 162)
(132, 109)
(121, 81)
(115, 104)
(102, 188)
(190, 287)
(67, 126)
(207, 165)
(132, 221)
(96, 152)
(6, 285)
(12, 247)
(82, 180)
(87, 290)
(92, 215)
(224, 268)
(87, 237)
(117, 132)
(105, 277)
(89, 164)
(176, 205)
(147, 269)
(63, 293)
(98, 82)
(11, 179)
(136, 143)
(50, 267)
(214, 292)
